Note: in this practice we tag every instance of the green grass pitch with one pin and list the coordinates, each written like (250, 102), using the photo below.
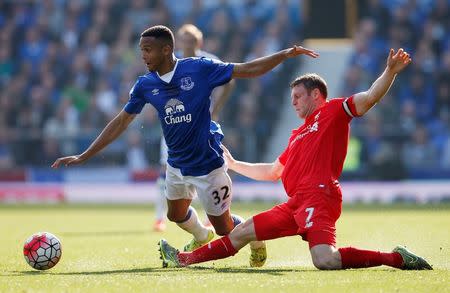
(113, 249)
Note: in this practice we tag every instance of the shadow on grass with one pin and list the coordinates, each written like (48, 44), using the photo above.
(212, 270)
(282, 270)
(259, 271)
(204, 270)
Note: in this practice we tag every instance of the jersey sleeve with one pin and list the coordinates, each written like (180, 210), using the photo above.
(343, 108)
(136, 101)
(218, 72)
(349, 107)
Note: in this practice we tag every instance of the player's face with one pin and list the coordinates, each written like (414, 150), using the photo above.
(302, 102)
(154, 53)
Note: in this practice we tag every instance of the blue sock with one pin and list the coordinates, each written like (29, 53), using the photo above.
(237, 219)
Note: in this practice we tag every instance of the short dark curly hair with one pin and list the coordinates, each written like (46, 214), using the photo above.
(160, 32)
(311, 81)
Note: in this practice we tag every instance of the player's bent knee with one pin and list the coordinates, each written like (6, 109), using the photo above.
(325, 257)
(325, 262)
(320, 265)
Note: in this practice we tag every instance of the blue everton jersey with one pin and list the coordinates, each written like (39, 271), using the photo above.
(183, 108)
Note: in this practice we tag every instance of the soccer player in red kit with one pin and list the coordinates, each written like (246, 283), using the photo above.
(309, 168)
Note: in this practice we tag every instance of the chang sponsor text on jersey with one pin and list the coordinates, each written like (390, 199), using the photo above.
(174, 110)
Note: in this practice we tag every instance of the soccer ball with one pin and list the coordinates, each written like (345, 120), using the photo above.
(42, 250)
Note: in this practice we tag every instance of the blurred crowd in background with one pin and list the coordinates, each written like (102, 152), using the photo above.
(408, 133)
(66, 68)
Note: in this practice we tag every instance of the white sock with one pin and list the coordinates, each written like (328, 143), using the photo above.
(161, 202)
(194, 226)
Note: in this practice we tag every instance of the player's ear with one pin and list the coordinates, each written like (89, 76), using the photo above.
(167, 50)
(315, 93)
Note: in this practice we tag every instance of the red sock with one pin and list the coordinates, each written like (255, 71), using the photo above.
(217, 249)
(357, 258)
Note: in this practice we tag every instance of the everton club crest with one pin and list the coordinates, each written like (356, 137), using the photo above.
(186, 83)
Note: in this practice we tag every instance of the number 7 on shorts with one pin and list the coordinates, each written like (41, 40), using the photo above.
(308, 223)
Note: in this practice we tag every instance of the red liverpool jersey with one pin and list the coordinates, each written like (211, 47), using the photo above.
(314, 158)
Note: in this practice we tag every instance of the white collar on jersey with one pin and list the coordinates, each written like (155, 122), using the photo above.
(168, 76)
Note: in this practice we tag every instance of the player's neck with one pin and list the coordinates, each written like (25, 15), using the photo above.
(314, 108)
(168, 66)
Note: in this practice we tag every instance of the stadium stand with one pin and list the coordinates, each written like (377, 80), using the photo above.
(66, 68)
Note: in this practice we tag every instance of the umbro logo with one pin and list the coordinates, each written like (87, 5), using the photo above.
(155, 92)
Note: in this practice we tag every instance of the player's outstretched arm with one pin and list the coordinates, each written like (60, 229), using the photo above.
(396, 62)
(261, 65)
(114, 128)
(256, 171)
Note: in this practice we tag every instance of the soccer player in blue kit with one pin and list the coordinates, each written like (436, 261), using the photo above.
(190, 41)
(180, 90)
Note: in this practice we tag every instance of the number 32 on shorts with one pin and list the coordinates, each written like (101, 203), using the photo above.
(221, 194)
(308, 223)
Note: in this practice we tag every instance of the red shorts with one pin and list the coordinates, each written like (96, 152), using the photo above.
(312, 216)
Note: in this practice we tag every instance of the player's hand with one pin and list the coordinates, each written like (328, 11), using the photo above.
(397, 61)
(299, 50)
(67, 161)
(227, 156)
